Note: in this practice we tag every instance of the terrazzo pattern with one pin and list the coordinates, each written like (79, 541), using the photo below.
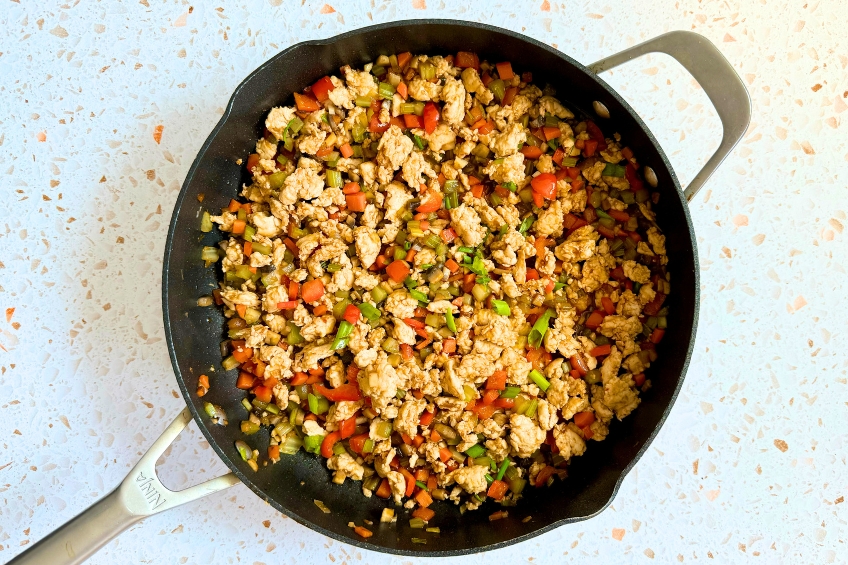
(751, 464)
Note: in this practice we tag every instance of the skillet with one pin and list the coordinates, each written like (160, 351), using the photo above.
(194, 334)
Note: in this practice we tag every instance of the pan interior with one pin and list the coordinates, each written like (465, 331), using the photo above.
(194, 333)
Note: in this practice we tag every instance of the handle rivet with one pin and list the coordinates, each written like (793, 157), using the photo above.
(600, 109)
(650, 176)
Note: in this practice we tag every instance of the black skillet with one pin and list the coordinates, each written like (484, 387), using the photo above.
(194, 333)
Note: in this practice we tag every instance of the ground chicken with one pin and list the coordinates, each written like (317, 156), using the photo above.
(472, 479)
(509, 141)
(511, 169)
(453, 94)
(466, 222)
(525, 436)
(392, 151)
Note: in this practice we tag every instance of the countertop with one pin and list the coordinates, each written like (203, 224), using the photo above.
(750, 466)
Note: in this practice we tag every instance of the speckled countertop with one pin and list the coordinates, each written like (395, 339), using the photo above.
(751, 464)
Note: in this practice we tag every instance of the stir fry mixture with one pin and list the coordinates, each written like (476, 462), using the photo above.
(440, 280)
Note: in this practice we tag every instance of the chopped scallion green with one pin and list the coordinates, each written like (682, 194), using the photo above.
(539, 329)
(369, 311)
(342, 335)
(500, 307)
(419, 296)
(450, 321)
(526, 223)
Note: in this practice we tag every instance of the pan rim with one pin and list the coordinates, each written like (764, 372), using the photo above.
(187, 393)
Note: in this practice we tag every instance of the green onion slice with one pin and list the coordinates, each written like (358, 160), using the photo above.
(419, 296)
(540, 328)
(451, 322)
(500, 307)
(526, 223)
(369, 311)
(342, 336)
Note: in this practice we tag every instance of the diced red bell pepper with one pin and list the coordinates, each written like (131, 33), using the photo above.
(632, 178)
(594, 320)
(583, 419)
(657, 335)
(374, 126)
(357, 443)
(352, 314)
(431, 117)
(433, 203)
(509, 96)
(327, 445)
(652, 307)
(544, 184)
(348, 427)
(497, 381)
(398, 271)
(466, 59)
(322, 88)
(589, 147)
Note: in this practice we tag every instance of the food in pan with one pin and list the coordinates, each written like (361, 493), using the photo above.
(439, 279)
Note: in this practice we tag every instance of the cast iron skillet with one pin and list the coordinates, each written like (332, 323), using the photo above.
(194, 333)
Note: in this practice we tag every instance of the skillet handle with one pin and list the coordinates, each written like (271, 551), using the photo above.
(715, 75)
(141, 494)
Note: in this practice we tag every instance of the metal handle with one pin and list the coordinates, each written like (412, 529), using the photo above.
(138, 496)
(715, 75)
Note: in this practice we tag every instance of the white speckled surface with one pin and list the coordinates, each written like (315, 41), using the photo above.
(751, 464)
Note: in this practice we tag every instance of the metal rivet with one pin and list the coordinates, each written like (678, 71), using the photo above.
(651, 176)
(600, 109)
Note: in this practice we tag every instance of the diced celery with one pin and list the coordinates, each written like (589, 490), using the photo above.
(249, 232)
(312, 444)
(378, 294)
(206, 223)
(363, 101)
(334, 178)
(539, 379)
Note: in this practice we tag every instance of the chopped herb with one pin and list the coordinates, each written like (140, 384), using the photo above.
(421, 485)
(410, 283)
(602, 214)
(467, 250)
(558, 286)
(510, 186)
(418, 142)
